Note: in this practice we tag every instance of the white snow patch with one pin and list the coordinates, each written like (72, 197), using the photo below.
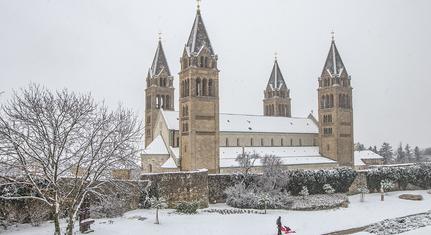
(303, 222)
(157, 147)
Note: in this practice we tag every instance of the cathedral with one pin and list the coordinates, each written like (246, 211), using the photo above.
(198, 136)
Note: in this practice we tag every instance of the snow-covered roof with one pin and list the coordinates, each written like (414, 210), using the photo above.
(175, 152)
(364, 155)
(253, 123)
(169, 164)
(157, 147)
(288, 155)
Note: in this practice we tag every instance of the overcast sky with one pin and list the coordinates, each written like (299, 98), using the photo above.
(106, 47)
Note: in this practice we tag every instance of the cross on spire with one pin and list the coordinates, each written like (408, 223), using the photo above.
(333, 35)
(160, 36)
(198, 4)
(275, 55)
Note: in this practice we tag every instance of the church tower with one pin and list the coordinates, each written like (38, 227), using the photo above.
(199, 102)
(276, 100)
(335, 110)
(159, 93)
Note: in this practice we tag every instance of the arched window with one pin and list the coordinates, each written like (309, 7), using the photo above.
(198, 87)
(251, 142)
(227, 142)
(348, 105)
(331, 101)
(300, 142)
(206, 62)
(150, 168)
(201, 62)
(158, 101)
(167, 102)
(261, 142)
(282, 142)
(322, 102)
(272, 142)
(237, 142)
(210, 87)
(204, 87)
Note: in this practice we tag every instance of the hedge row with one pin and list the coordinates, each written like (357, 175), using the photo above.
(418, 175)
(339, 178)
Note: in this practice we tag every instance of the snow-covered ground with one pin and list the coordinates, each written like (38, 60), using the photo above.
(303, 222)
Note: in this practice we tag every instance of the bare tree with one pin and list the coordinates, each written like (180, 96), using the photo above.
(62, 146)
(246, 161)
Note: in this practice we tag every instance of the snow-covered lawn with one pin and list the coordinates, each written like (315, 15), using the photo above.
(303, 222)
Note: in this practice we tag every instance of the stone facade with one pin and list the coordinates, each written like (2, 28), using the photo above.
(175, 187)
(258, 169)
(335, 110)
(159, 93)
(196, 135)
(199, 102)
(231, 139)
(153, 163)
(277, 101)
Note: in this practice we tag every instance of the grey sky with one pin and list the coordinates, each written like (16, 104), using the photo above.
(107, 46)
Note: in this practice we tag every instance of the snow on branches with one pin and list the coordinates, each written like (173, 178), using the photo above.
(47, 136)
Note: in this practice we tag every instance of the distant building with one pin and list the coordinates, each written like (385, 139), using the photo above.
(198, 136)
(366, 158)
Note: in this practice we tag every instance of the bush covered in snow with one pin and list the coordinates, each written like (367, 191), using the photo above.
(328, 189)
(251, 197)
(108, 207)
(230, 211)
(339, 178)
(400, 225)
(387, 185)
(319, 202)
(273, 189)
(187, 207)
(418, 175)
(304, 192)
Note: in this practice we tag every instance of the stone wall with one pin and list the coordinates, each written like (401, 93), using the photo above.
(34, 211)
(217, 184)
(180, 186)
(360, 180)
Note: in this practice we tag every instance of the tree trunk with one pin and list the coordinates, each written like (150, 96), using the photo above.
(70, 223)
(265, 207)
(57, 219)
(157, 215)
(382, 194)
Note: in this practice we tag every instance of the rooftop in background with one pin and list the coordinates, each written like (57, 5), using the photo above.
(253, 123)
(364, 155)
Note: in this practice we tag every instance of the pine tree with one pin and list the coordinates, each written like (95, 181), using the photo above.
(359, 147)
(386, 152)
(408, 153)
(417, 154)
(401, 155)
(375, 150)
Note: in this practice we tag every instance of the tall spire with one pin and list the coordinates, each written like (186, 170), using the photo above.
(334, 65)
(198, 36)
(276, 80)
(159, 62)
